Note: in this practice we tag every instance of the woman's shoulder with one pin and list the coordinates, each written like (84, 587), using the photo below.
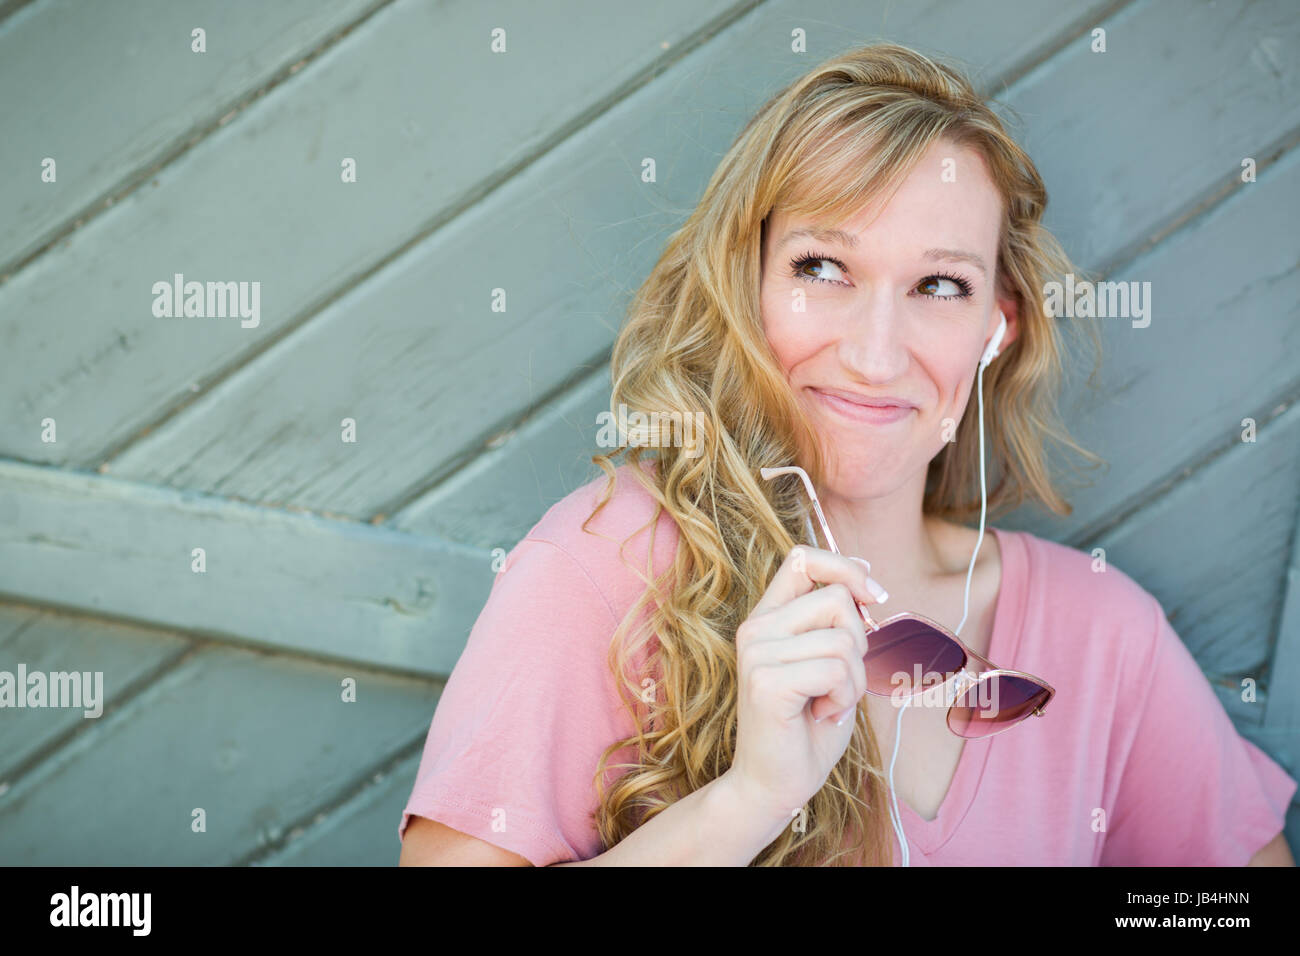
(1064, 570)
(1076, 586)
(616, 543)
(1084, 624)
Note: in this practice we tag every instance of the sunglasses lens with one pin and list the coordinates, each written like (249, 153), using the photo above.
(908, 656)
(994, 704)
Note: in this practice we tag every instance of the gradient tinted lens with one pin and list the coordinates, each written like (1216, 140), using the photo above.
(994, 704)
(907, 656)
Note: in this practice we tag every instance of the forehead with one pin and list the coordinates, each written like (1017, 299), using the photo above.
(947, 198)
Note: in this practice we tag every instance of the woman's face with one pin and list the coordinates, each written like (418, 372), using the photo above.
(894, 312)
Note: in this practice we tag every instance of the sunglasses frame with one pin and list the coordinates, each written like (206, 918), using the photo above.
(970, 678)
(966, 679)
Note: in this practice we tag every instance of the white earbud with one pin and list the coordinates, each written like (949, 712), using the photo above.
(991, 352)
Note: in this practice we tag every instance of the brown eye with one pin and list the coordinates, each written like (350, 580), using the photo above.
(817, 269)
(944, 287)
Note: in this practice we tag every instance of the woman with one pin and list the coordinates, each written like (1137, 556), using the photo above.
(829, 305)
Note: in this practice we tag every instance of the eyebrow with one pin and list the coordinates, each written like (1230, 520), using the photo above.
(850, 241)
(821, 235)
(956, 255)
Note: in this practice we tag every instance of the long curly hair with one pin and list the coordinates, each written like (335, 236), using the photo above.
(693, 345)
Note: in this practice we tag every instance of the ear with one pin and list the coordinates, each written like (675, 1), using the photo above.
(1010, 307)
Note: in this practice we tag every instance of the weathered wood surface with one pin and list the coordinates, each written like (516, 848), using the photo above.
(435, 122)
(261, 743)
(522, 172)
(82, 87)
(326, 588)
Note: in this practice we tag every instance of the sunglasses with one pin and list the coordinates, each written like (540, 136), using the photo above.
(910, 655)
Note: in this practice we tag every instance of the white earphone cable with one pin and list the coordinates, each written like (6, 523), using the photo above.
(896, 817)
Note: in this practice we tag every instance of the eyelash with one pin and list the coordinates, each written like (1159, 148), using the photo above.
(799, 262)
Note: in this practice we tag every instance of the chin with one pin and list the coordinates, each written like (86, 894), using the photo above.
(862, 477)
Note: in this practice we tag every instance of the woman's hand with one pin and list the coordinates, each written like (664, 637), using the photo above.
(800, 670)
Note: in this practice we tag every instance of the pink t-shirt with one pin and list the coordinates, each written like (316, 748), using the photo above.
(1134, 762)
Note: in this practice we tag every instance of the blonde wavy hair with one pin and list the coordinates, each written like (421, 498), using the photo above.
(693, 342)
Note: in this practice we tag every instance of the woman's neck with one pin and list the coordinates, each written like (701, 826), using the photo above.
(892, 532)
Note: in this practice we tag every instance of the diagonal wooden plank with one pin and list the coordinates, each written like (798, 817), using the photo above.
(85, 645)
(360, 832)
(10, 7)
(258, 741)
(15, 619)
(1214, 550)
(566, 239)
(1138, 143)
(109, 120)
(494, 500)
(1234, 334)
(336, 589)
(262, 200)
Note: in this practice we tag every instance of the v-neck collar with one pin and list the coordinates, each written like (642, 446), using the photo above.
(1008, 616)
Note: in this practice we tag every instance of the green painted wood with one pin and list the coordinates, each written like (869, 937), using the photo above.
(1245, 239)
(85, 90)
(1220, 348)
(1130, 140)
(362, 832)
(495, 499)
(14, 619)
(8, 7)
(261, 742)
(335, 589)
(434, 120)
(46, 643)
(566, 238)
(1214, 549)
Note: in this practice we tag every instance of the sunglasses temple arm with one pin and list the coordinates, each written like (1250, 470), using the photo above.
(821, 519)
(807, 484)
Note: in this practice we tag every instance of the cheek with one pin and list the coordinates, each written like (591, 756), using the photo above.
(792, 337)
(778, 330)
(940, 353)
(951, 382)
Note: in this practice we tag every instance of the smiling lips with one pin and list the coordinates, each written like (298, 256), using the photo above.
(858, 408)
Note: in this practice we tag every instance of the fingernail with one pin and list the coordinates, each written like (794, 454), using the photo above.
(843, 717)
(877, 592)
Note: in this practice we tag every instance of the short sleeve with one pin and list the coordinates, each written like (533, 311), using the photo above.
(1192, 791)
(517, 734)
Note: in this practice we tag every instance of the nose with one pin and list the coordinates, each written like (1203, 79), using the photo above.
(873, 343)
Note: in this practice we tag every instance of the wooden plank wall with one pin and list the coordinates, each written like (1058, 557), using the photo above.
(328, 559)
